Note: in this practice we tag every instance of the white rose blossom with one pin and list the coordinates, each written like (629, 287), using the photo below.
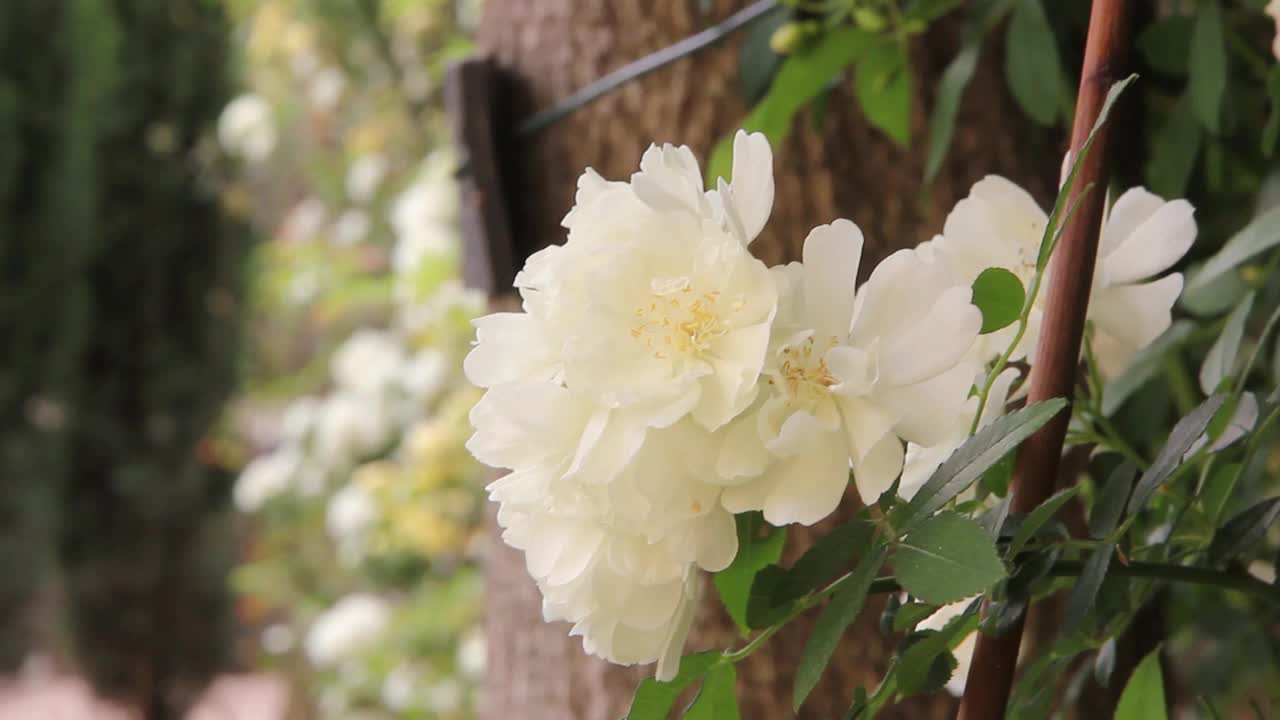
(963, 652)
(642, 335)
(369, 362)
(266, 477)
(1000, 225)
(850, 376)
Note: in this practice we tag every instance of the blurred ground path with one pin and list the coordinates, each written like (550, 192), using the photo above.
(59, 697)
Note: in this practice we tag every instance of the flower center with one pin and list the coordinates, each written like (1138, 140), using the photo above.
(677, 320)
(803, 374)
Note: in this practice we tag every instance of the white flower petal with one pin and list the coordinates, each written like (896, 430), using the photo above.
(1153, 246)
(877, 470)
(811, 483)
(831, 257)
(934, 344)
(752, 185)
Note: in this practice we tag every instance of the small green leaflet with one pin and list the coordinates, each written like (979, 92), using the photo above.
(1244, 530)
(882, 83)
(946, 558)
(1032, 66)
(1085, 590)
(1208, 70)
(1220, 363)
(831, 624)
(1175, 145)
(1053, 227)
(754, 552)
(999, 295)
(1037, 518)
(1143, 697)
(653, 700)
(1184, 434)
(718, 698)
(946, 103)
(1108, 508)
(828, 556)
(926, 665)
(978, 453)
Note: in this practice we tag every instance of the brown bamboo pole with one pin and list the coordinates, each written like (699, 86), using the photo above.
(1057, 357)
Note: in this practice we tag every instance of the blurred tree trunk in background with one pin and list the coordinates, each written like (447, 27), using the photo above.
(120, 313)
(844, 169)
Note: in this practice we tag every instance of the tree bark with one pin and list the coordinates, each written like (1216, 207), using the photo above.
(845, 168)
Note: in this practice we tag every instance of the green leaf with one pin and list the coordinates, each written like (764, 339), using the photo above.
(830, 554)
(1031, 63)
(718, 698)
(1037, 518)
(1174, 148)
(1104, 663)
(882, 83)
(946, 103)
(758, 546)
(1261, 234)
(1053, 227)
(802, 77)
(1143, 697)
(926, 664)
(653, 700)
(831, 624)
(1108, 508)
(1164, 42)
(1207, 83)
(1085, 589)
(762, 611)
(757, 62)
(1218, 488)
(1220, 363)
(978, 453)
(1244, 530)
(910, 615)
(946, 558)
(1271, 130)
(1143, 367)
(1185, 432)
(998, 293)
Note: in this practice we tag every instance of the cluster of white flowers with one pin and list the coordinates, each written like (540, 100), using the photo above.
(352, 624)
(661, 378)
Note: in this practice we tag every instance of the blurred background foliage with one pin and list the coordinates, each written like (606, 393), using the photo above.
(359, 579)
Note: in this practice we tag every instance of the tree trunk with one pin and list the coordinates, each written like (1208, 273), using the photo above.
(844, 169)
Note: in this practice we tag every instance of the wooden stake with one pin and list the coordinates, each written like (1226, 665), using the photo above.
(1057, 357)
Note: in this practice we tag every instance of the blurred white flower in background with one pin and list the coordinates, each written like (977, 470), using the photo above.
(351, 427)
(246, 128)
(344, 630)
(351, 513)
(364, 176)
(325, 89)
(299, 418)
(278, 638)
(266, 477)
(443, 696)
(368, 362)
(426, 375)
(304, 220)
(351, 227)
(399, 688)
(473, 653)
(1273, 9)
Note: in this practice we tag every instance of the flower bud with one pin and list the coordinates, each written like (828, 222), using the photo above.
(869, 19)
(787, 38)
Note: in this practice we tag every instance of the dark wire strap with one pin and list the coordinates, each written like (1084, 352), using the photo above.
(645, 65)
